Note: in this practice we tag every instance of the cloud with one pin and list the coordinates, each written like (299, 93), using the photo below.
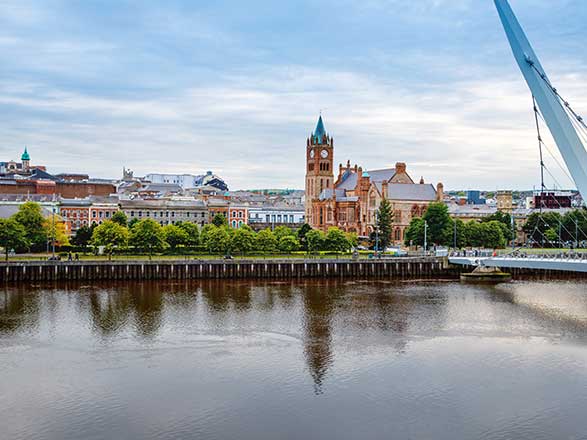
(188, 92)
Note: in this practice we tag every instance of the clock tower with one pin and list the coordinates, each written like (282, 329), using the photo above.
(319, 168)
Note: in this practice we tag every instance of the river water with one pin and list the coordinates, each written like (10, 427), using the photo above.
(312, 360)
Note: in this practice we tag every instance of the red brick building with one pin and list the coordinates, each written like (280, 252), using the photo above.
(350, 201)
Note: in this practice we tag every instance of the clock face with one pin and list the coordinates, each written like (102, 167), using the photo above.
(312, 154)
(324, 154)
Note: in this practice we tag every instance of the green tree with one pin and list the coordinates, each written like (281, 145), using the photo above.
(219, 220)
(31, 218)
(505, 219)
(461, 235)
(302, 236)
(288, 244)
(175, 236)
(148, 236)
(353, 239)
(538, 223)
(414, 235)
(493, 235)
(82, 237)
(316, 240)
(266, 241)
(132, 222)
(243, 240)
(120, 218)
(336, 241)
(193, 233)
(218, 240)
(283, 231)
(474, 234)
(439, 224)
(384, 224)
(12, 235)
(110, 235)
(205, 234)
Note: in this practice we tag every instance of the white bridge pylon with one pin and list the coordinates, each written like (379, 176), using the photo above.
(557, 119)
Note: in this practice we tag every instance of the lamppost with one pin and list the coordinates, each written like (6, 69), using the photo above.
(53, 232)
(513, 233)
(376, 233)
(455, 235)
(425, 237)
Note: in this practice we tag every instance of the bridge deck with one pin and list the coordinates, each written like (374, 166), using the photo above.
(559, 264)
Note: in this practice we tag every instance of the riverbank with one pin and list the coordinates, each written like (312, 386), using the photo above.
(88, 270)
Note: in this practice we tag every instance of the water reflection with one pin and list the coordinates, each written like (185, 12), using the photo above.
(319, 308)
(19, 310)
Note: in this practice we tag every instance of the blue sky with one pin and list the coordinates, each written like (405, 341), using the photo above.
(236, 87)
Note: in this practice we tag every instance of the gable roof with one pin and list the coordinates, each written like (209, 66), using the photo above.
(411, 191)
(381, 175)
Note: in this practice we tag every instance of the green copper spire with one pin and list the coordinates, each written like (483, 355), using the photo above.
(320, 130)
(25, 155)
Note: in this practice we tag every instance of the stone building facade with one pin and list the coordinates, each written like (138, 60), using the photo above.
(350, 201)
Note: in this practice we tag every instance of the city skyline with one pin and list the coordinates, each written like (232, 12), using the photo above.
(185, 89)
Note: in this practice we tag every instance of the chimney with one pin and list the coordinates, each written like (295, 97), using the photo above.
(400, 168)
(440, 192)
(421, 180)
(384, 188)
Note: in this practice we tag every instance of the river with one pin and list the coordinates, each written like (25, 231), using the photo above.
(309, 360)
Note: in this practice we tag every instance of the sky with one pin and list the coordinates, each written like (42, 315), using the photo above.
(236, 87)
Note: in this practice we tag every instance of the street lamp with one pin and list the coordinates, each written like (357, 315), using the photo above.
(53, 232)
(376, 233)
(425, 237)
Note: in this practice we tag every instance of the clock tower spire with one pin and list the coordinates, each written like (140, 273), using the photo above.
(319, 168)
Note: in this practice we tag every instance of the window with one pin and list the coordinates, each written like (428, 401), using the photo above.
(291, 219)
(240, 214)
(172, 213)
(140, 213)
(93, 214)
(234, 223)
(268, 218)
(107, 214)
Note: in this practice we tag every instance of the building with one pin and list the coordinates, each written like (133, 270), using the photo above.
(350, 201)
(263, 217)
(237, 216)
(22, 168)
(189, 181)
(167, 211)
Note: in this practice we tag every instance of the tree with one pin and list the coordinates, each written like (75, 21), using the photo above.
(218, 240)
(439, 224)
(193, 233)
(283, 231)
(120, 218)
(316, 240)
(336, 241)
(266, 241)
(505, 219)
(12, 235)
(132, 223)
(30, 216)
(219, 220)
(353, 239)
(302, 236)
(110, 235)
(493, 236)
(175, 236)
(82, 237)
(384, 224)
(538, 223)
(460, 232)
(55, 228)
(243, 240)
(288, 244)
(414, 235)
(148, 236)
(205, 234)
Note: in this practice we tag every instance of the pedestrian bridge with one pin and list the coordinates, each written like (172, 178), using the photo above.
(564, 263)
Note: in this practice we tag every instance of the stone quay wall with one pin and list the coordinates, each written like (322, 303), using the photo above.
(86, 270)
